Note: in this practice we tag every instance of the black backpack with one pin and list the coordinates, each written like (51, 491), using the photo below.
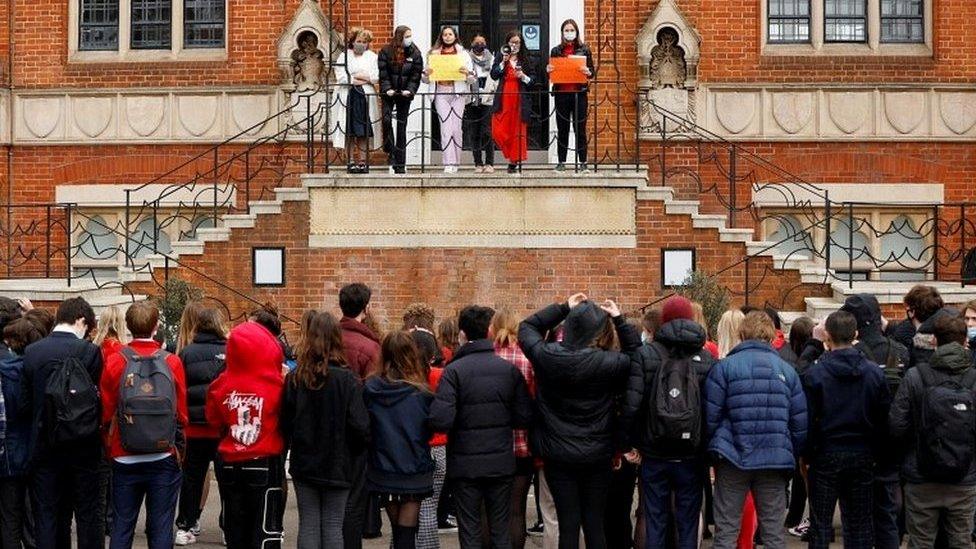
(675, 411)
(947, 430)
(72, 404)
(147, 403)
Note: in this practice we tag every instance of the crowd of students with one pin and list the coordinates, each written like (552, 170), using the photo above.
(743, 433)
(488, 104)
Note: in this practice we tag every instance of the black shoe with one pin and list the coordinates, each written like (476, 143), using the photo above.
(372, 535)
(513, 168)
(363, 168)
(352, 168)
(560, 167)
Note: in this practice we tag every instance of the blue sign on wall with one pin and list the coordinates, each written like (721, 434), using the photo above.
(532, 34)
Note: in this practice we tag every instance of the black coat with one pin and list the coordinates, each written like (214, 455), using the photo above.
(577, 386)
(498, 73)
(203, 360)
(583, 50)
(480, 399)
(39, 360)
(324, 428)
(405, 77)
(681, 338)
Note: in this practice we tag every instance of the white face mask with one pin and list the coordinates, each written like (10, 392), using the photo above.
(407, 41)
(570, 35)
(514, 47)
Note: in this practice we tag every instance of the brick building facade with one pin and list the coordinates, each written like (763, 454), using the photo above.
(777, 104)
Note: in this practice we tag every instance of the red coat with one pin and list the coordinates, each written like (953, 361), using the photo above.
(433, 380)
(110, 346)
(361, 346)
(109, 387)
(244, 402)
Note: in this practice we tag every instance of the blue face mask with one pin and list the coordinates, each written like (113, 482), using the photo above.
(644, 339)
(971, 332)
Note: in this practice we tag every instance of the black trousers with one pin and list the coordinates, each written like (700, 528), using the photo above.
(395, 144)
(353, 524)
(75, 481)
(848, 478)
(798, 499)
(579, 492)
(492, 494)
(200, 453)
(253, 499)
(13, 498)
(618, 523)
(477, 134)
(571, 108)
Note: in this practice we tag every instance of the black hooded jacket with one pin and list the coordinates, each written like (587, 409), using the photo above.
(576, 385)
(681, 339)
(847, 404)
(924, 343)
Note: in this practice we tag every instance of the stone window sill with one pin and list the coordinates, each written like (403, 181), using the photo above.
(847, 50)
(148, 56)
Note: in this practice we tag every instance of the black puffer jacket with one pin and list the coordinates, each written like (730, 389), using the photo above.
(924, 343)
(950, 361)
(324, 428)
(681, 339)
(480, 399)
(402, 77)
(576, 385)
(203, 361)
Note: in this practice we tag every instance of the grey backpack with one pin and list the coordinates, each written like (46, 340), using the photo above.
(147, 403)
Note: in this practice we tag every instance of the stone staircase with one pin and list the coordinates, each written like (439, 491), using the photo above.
(50, 291)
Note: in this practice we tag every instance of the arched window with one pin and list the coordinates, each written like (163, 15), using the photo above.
(790, 238)
(202, 222)
(142, 240)
(97, 241)
(902, 243)
(840, 242)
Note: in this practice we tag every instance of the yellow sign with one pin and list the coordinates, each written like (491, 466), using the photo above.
(446, 68)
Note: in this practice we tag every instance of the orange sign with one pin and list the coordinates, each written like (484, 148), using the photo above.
(568, 70)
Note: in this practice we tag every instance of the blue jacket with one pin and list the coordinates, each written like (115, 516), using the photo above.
(16, 442)
(755, 409)
(399, 449)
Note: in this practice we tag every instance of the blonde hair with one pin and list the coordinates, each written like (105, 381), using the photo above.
(699, 316)
(728, 331)
(505, 327)
(356, 33)
(188, 324)
(757, 325)
(111, 325)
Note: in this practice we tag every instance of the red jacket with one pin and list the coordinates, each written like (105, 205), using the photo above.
(110, 346)
(109, 387)
(433, 380)
(245, 400)
(361, 346)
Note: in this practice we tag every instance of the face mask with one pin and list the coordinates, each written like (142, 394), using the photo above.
(359, 48)
(478, 48)
(569, 36)
(644, 338)
(514, 47)
(407, 42)
(971, 332)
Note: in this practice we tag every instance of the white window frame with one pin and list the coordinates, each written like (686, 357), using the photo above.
(175, 53)
(873, 47)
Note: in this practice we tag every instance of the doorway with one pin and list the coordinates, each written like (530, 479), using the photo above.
(494, 19)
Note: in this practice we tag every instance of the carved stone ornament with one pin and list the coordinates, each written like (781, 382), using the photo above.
(667, 54)
(306, 47)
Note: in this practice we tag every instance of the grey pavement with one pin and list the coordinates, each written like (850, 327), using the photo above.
(210, 537)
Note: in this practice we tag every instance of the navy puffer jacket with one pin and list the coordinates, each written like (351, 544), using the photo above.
(755, 409)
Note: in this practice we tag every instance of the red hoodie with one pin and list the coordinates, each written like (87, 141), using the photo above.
(244, 401)
(109, 387)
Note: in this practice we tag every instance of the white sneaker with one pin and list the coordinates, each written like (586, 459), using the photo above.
(800, 529)
(184, 537)
(450, 169)
(392, 171)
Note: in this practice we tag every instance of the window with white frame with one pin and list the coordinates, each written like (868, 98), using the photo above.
(902, 21)
(847, 27)
(845, 20)
(789, 21)
(147, 30)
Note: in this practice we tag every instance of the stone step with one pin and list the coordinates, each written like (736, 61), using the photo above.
(662, 194)
(760, 247)
(189, 247)
(735, 235)
(681, 207)
(820, 307)
(265, 207)
(212, 234)
(894, 292)
(239, 221)
(708, 221)
(54, 289)
(291, 194)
